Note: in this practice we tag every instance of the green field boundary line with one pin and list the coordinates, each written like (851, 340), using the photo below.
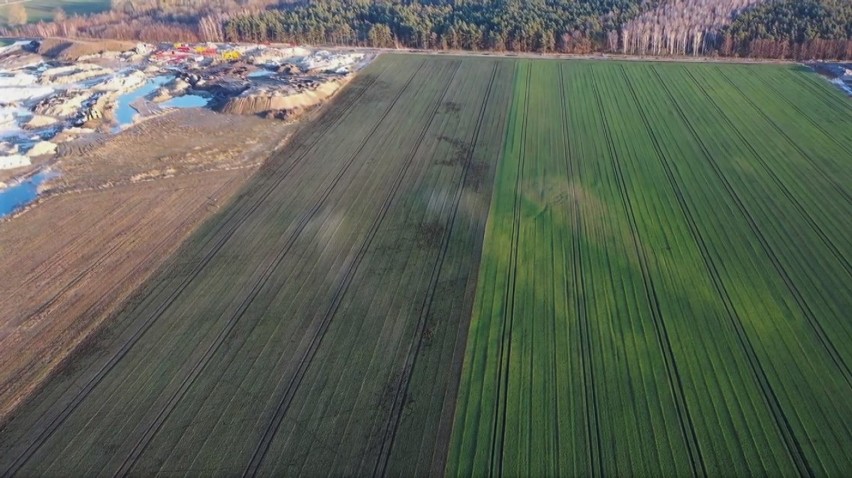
(675, 382)
(393, 422)
(800, 300)
(237, 315)
(803, 114)
(778, 182)
(499, 431)
(590, 401)
(769, 395)
(793, 444)
(307, 359)
(223, 234)
(837, 187)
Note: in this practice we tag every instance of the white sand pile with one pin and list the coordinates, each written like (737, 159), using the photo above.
(42, 148)
(14, 47)
(63, 106)
(11, 96)
(63, 75)
(10, 120)
(17, 79)
(7, 148)
(39, 121)
(20, 87)
(323, 60)
(121, 82)
(14, 161)
(276, 56)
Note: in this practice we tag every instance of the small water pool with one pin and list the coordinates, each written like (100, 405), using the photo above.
(843, 86)
(19, 195)
(124, 113)
(186, 101)
(261, 74)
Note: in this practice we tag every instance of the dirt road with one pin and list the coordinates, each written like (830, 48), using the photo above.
(570, 56)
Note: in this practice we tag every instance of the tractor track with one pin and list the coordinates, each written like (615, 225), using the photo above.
(675, 381)
(393, 422)
(267, 343)
(223, 234)
(102, 302)
(94, 308)
(306, 360)
(391, 377)
(500, 413)
(590, 400)
(769, 395)
(811, 318)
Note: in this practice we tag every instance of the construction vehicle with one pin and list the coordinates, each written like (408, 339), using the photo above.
(231, 55)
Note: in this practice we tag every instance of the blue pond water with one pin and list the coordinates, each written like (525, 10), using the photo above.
(124, 113)
(15, 197)
(186, 101)
(261, 74)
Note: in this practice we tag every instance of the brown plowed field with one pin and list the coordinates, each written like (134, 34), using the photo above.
(119, 208)
(69, 262)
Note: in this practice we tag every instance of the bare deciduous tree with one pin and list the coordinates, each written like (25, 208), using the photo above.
(679, 27)
(17, 14)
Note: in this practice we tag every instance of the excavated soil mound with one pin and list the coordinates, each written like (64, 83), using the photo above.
(264, 101)
(71, 50)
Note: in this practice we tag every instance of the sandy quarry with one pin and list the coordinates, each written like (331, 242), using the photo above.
(54, 91)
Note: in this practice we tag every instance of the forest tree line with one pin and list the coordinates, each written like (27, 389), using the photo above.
(795, 29)
(800, 29)
(497, 25)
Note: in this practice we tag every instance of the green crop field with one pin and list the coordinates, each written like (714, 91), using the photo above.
(473, 266)
(42, 10)
(665, 283)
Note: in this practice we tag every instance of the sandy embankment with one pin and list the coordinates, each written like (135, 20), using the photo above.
(122, 205)
(72, 49)
(261, 101)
